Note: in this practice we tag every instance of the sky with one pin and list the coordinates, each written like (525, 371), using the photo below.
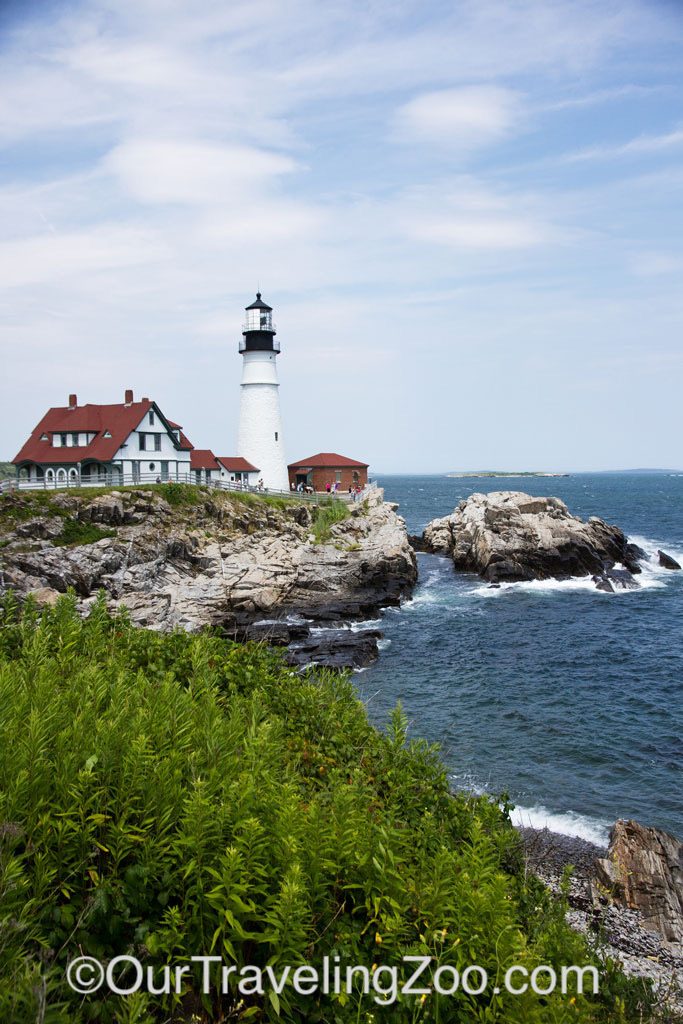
(467, 216)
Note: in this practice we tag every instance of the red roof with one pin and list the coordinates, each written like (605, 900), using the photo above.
(203, 458)
(236, 465)
(185, 445)
(327, 460)
(116, 420)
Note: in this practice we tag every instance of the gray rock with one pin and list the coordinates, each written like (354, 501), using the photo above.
(338, 649)
(509, 536)
(41, 528)
(667, 562)
(224, 562)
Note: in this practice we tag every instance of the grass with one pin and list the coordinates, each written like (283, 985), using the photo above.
(325, 515)
(75, 532)
(174, 795)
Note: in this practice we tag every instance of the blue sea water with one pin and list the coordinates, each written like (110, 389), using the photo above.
(568, 699)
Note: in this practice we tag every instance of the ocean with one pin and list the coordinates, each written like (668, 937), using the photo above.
(567, 699)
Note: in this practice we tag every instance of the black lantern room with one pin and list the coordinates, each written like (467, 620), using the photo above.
(259, 329)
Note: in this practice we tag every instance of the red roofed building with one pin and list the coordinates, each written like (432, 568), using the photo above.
(207, 468)
(325, 468)
(128, 442)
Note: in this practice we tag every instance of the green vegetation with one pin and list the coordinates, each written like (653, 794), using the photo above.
(174, 795)
(325, 515)
(75, 532)
(7, 471)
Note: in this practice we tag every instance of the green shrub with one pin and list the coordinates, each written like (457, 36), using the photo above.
(175, 795)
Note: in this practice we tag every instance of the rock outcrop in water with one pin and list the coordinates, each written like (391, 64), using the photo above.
(509, 536)
(667, 562)
(214, 559)
(643, 870)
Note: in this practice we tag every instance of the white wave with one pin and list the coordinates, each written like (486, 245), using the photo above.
(424, 597)
(383, 644)
(569, 823)
(651, 547)
(645, 580)
(349, 627)
(357, 627)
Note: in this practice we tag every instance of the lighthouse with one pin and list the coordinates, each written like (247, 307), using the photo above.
(259, 439)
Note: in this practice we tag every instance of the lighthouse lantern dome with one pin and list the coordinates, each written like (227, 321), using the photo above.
(259, 316)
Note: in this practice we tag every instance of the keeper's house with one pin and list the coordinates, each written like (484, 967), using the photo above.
(104, 443)
(328, 468)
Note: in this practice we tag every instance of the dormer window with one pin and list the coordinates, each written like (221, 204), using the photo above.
(74, 440)
(151, 418)
(62, 439)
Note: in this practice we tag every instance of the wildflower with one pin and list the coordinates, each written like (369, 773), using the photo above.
(378, 939)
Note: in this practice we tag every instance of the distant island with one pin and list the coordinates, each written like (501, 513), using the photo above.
(496, 473)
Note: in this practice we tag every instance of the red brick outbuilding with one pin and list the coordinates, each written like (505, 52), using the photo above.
(317, 471)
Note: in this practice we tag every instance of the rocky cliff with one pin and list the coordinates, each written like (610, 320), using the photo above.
(509, 536)
(189, 557)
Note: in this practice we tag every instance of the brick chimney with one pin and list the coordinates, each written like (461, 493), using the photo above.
(73, 401)
(129, 397)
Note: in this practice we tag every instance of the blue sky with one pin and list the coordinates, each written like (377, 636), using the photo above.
(466, 215)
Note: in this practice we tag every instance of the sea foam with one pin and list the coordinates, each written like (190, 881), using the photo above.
(569, 823)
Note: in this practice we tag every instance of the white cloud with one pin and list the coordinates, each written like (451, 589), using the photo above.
(480, 233)
(642, 144)
(185, 171)
(461, 118)
(53, 256)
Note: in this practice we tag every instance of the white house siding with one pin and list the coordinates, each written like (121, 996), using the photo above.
(259, 439)
(134, 461)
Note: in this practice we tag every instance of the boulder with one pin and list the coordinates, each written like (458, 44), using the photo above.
(615, 579)
(45, 596)
(105, 508)
(666, 561)
(643, 870)
(40, 528)
(509, 536)
(338, 649)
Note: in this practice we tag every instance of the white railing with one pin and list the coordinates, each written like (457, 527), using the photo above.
(113, 480)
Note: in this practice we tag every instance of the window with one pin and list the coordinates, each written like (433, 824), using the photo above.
(151, 419)
(157, 442)
(143, 442)
(44, 437)
(152, 467)
(107, 433)
(62, 439)
(276, 435)
(74, 440)
(337, 476)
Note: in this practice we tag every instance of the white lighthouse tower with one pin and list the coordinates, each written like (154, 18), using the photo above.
(259, 440)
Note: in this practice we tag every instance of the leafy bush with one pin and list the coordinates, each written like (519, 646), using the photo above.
(174, 795)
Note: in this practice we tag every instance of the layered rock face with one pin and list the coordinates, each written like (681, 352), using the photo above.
(218, 561)
(509, 536)
(643, 870)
